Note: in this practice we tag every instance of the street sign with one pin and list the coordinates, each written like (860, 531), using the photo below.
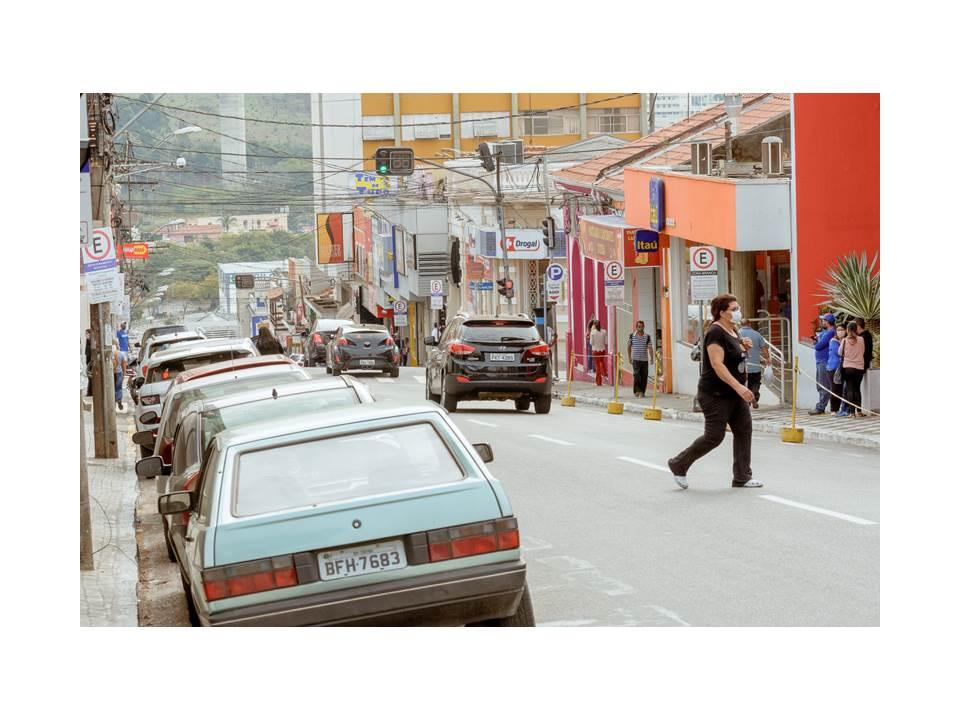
(400, 306)
(704, 285)
(555, 272)
(100, 254)
(436, 294)
(613, 272)
(553, 290)
(613, 283)
(244, 282)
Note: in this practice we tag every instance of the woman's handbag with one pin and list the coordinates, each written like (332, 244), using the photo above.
(838, 376)
(695, 352)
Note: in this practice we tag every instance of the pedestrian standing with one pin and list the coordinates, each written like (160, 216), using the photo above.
(590, 326)
(641, 355)
(722, 395)
(435, 333)
(755, 363)
(88, 356)
(828, 330)
(119, 361)
(868, 343)
(123, 339)
(836, 371)
(598, 344)
(552, 343)
(852, 353)
(266, 343)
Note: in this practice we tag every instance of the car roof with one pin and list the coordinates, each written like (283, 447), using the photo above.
(477, 317)
(386, 412)
(331, 323)
(237, 365)
(185, 335)
(265, 393)
(201, 347)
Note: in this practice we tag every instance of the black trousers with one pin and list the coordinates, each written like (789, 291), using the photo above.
(851, 391)
(641, 368)
(754, 380)
(837, 388)
(718, 412)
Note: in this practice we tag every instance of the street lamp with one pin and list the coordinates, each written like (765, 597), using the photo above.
(181, 131)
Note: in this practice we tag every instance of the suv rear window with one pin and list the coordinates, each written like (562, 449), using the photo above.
(342, 468)
(171, 368)
(494, 331)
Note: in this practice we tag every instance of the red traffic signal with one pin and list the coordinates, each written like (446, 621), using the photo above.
(505, 287)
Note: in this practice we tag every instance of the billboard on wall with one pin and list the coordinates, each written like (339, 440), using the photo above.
(641, 248)
(329, 243)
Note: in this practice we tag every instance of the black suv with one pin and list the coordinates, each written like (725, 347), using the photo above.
(323, 331)
(482, 357)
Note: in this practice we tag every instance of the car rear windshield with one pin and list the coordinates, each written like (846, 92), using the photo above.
(342, 468)
(330, 325)
(496, 331)
(169, 369)
(157, 347)
(228, 386)
(215, 421)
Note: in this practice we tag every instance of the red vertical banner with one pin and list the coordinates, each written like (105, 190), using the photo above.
(329, 238)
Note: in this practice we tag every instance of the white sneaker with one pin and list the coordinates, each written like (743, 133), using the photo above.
(751, 483)
(681, 481)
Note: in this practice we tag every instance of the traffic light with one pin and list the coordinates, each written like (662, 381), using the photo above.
(486, 158)
(506, 287)
(394, 161)
(549, 226)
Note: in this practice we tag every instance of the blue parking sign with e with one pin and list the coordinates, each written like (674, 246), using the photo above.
(555, 272)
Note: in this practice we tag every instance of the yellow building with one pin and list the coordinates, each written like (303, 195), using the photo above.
(440, 126)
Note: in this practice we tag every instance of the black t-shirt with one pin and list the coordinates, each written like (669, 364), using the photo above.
(734, 358)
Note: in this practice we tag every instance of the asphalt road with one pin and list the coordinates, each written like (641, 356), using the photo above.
(610, 540)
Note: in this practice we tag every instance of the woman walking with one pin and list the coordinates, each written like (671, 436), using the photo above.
(598, 343)
(852, 352)
(590, 326)
(119, 360)
(834, 370)
(722, 395)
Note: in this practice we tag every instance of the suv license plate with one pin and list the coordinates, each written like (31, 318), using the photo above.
(361, 560)
(367, 363)
(502, 357)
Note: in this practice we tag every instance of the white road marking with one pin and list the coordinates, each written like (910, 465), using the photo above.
(566, 623)
(551, 440)
(481, 422)
(849, 454)
(811, 508)
(420, 379)
(386, 380)
(529, 543)
(669, 614)
(650, 465)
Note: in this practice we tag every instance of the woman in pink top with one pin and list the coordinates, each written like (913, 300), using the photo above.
(851, 354)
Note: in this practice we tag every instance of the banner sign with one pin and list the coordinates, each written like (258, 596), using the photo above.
(641, 248)
(329, 243)
(601, 241)
(657, 206)
(370, 184)
(135, 251)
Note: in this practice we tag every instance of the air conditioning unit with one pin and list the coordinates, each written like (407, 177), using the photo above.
(512, 151)
(700, 158)
(771, 155)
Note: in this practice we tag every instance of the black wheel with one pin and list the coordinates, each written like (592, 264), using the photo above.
(449, 403)
(308, 361)
(191, 606)
(523, 404)
(335, 371)
(522, 618)
(327, 367)
(395, 373)
(542, 404)
(431, 396)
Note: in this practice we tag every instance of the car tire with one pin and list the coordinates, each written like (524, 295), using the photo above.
(542, 404)
(523, 617)
(430, 396)
(336, 371)
(328, 369)
(522, 404)
(191, 606)
(395, 373)
(449, 403)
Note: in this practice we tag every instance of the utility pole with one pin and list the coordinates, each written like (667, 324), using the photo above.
(546, 205)
(503, 237)
(86, 533)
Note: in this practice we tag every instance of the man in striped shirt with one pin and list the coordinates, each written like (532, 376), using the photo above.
(641, 354)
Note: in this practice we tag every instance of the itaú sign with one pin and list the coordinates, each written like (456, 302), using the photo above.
(524, 245)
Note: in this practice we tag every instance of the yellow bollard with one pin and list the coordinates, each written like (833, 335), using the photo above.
(793, 434)
(654, 413)
(569, 401)
(616, 407)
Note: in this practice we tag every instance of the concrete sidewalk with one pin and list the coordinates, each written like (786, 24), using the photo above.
(108, 593)
(848, 431)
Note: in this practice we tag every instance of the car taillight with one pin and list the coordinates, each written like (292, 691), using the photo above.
(538, 351)
(462, 349)
(317, 339)
(473, 539)
(249, 577)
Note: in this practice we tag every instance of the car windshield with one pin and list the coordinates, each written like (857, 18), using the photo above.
(215, 421)
(169, 369)
(500, 331)
(227, 386)
(342, 468)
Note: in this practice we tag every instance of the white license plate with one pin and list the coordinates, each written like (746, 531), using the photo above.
(367, 363)
(361, 560)
(502, 357)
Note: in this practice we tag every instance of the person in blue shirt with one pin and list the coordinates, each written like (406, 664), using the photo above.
(123, 339)
(822, 349)
(754, 362)
(833, 363)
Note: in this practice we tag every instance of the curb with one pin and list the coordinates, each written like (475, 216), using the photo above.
(768, 426)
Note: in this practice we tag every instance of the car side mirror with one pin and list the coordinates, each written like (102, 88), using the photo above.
(173, 503)
(138, 382)
(144, 438)
(430, 340)
(151, 467)
(149, 417)
(484, 451)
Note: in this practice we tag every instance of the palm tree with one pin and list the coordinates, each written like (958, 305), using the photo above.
(225, 220)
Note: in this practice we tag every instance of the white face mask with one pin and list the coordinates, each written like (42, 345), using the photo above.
(737, 317)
